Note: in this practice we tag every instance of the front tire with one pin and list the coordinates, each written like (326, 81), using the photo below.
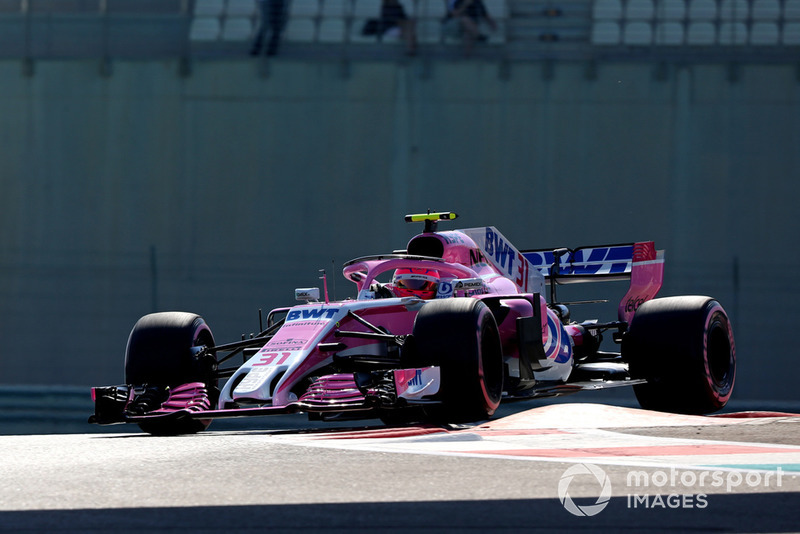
(159, 352)
(460, 335)
(684, 347)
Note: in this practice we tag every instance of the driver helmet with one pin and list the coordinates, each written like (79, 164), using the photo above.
(420, 283)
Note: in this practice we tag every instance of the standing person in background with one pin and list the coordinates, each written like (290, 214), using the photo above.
(393, 15)
(273, 20)
(464, 19)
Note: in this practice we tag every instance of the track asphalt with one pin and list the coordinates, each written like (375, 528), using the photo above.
(563, 467)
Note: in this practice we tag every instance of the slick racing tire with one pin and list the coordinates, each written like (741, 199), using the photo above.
(159, 353)
(684, 348)
(460, 335)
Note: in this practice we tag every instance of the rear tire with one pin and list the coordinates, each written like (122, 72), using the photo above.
(460, 336)
(159, 353)
(684, 347)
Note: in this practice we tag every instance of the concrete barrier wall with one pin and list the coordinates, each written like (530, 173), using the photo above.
(222, 191)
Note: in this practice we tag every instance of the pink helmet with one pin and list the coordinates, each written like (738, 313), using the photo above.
(420, 283)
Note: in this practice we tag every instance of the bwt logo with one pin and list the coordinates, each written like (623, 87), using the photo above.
(312, 313)
(498, 249)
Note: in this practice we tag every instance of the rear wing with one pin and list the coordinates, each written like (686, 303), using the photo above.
(585, 264)
(640, 263)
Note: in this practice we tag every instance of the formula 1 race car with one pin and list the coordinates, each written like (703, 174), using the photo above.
(460, 322)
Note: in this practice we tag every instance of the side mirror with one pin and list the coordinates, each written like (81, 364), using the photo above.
(307, 294)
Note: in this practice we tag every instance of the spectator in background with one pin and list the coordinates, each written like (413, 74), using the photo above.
(465, 18)
(393, 19)
(273, 20)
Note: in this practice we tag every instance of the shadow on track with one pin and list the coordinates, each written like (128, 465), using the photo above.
(772, 512)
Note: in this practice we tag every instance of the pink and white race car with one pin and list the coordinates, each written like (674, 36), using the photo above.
(442, 331)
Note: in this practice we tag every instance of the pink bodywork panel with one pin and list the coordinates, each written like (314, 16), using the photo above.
(647, 275)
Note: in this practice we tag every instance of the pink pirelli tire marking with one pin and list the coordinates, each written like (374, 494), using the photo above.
(720, 355)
